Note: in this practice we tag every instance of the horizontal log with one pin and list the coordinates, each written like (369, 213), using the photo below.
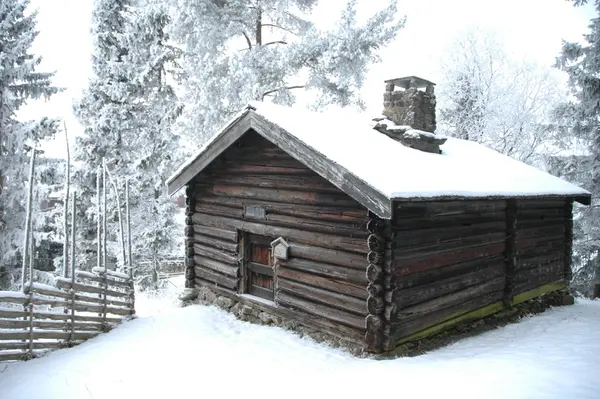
(404, 298)
(35, 345)
(286, 196)
(449, 300)
(25, 335)
(457, 244)
(551, 248)
(289, 182)
(336, 214)
(112, 273)
(309, 293)
(529, 223)
(540, 203)
(317, 224)
(538, 260)
(85, 298)
(403, 329)
(375, 305)
(341, 287)
(228, 246)
(374, 289)
(449, 271)
(375, 243)
(223, 234)
(77, 305)
(442, 208)
(103, 280)
(409, 266)
(449, 220)
(320, 226)
(10, 313)
(224, 268)
(297, 235)
(326, 255)
(215, 254)
(325, 269)
(219, 209)
(550, 269)
(374, 273)
(66, 285)
(248, 169)
(535, 282)
(49, 325)
(335, 329)
(323, 311)
(216, 278)
(434, 236)
(543, 213)
(12, 356)
(541, 231)
(376, 258)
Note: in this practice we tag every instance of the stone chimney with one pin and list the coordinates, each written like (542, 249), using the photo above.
(412, 113)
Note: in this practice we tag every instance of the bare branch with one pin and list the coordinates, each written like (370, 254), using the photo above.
(282, 28)
(247, 40)
(275, 42)
(282, 88)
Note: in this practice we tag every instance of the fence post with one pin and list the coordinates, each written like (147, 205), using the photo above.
(72, 335)
(31, 261)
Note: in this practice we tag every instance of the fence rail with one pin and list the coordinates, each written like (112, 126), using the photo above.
(48, 317)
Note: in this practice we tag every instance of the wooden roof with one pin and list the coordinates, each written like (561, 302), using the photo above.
(341, 165)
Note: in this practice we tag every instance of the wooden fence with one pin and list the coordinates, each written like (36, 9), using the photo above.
(47, 317)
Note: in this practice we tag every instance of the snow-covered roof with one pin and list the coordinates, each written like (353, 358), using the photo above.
(342, 146)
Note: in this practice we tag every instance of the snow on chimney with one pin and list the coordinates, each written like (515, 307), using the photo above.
(411, 112)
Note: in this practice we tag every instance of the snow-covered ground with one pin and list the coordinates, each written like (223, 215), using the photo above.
(198, 351)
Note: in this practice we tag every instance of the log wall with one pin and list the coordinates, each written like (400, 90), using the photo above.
(324, 279)
(450, 258)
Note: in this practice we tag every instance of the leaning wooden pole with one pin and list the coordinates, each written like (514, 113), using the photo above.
(98, 219)
(66, 205)
(128, 216)
(104, 215)
(72, 335)
(26, 245)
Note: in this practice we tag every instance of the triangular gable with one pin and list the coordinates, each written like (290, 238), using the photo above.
(247, 120)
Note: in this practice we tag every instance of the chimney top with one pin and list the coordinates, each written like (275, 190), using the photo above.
(410, 81)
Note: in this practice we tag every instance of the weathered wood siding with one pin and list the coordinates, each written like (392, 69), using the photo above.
(453, 257)
(542, 243)
(324, 278)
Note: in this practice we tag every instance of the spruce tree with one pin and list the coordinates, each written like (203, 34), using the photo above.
(154, 151)
(127, 111)
(20, 81)
(105, 114)
(580, 118)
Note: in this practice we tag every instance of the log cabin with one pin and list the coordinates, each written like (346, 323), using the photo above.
(374, 231)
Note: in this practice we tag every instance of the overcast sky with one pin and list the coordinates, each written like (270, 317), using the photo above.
(531, 28)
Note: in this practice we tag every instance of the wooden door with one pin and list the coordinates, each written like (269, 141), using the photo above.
(259, 268)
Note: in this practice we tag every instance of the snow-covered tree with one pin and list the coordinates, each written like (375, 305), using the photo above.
(155, 149)
(105, 113)
(19, 81)
(580, 119)
(494, 99)
(127, 112)
(238, 51)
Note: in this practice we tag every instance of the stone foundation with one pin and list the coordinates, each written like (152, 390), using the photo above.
(244, 310)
